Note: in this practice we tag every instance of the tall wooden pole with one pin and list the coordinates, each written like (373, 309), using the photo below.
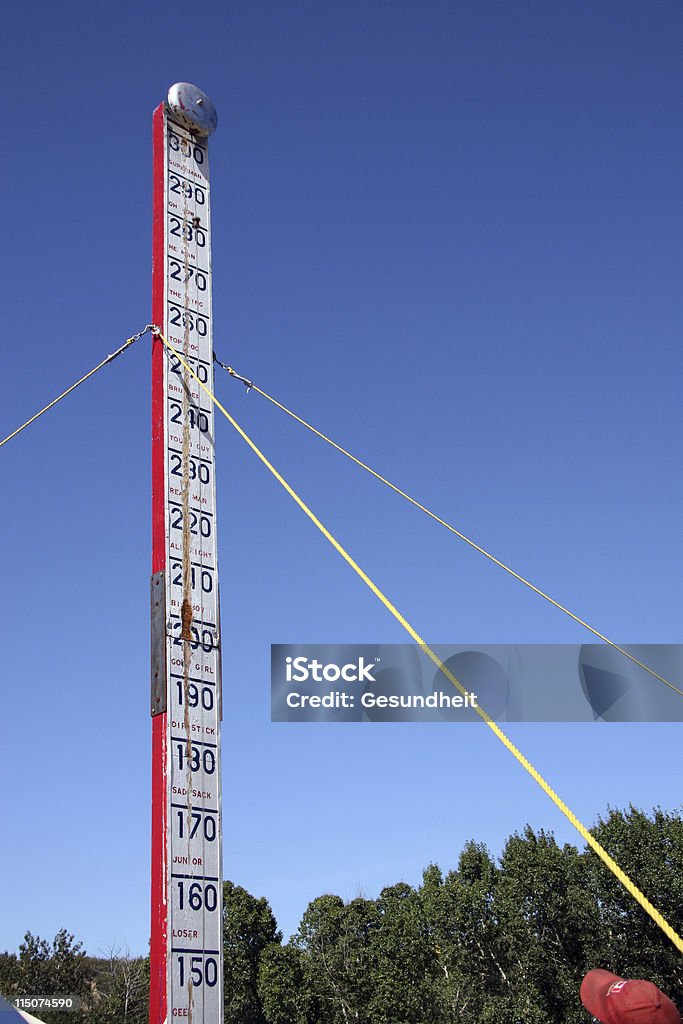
(186, 962)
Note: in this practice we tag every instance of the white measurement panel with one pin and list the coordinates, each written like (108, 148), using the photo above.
(193, 877)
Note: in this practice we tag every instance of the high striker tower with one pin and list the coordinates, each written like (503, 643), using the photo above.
(186, 939)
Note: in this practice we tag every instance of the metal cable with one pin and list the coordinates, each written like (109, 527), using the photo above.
(473, 544)
(109, 359)
(604, 856)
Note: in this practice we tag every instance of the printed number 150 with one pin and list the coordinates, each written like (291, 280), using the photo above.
(197, 970)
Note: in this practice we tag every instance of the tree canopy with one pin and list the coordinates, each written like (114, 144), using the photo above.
(491, 941)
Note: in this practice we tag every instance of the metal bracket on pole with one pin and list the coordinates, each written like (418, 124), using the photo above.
(158, 643)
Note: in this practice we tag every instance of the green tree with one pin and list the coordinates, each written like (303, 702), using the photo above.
(249, 927)
(404, 971)
(120, 990)
(547, 921)
(44, 969)
(284, 987)
(9, 975)
(649, 848)
(465, 939)
(337, 941)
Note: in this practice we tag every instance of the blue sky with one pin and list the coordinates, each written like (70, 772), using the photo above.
(448, 234)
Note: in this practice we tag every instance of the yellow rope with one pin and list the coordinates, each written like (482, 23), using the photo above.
(68, 391)
(628, 884)
(452, 529)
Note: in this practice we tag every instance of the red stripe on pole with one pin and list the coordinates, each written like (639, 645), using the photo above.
(158, 278)
(158, 996)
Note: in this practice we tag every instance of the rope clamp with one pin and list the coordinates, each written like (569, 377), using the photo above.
(148, 327)
(233, 373)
